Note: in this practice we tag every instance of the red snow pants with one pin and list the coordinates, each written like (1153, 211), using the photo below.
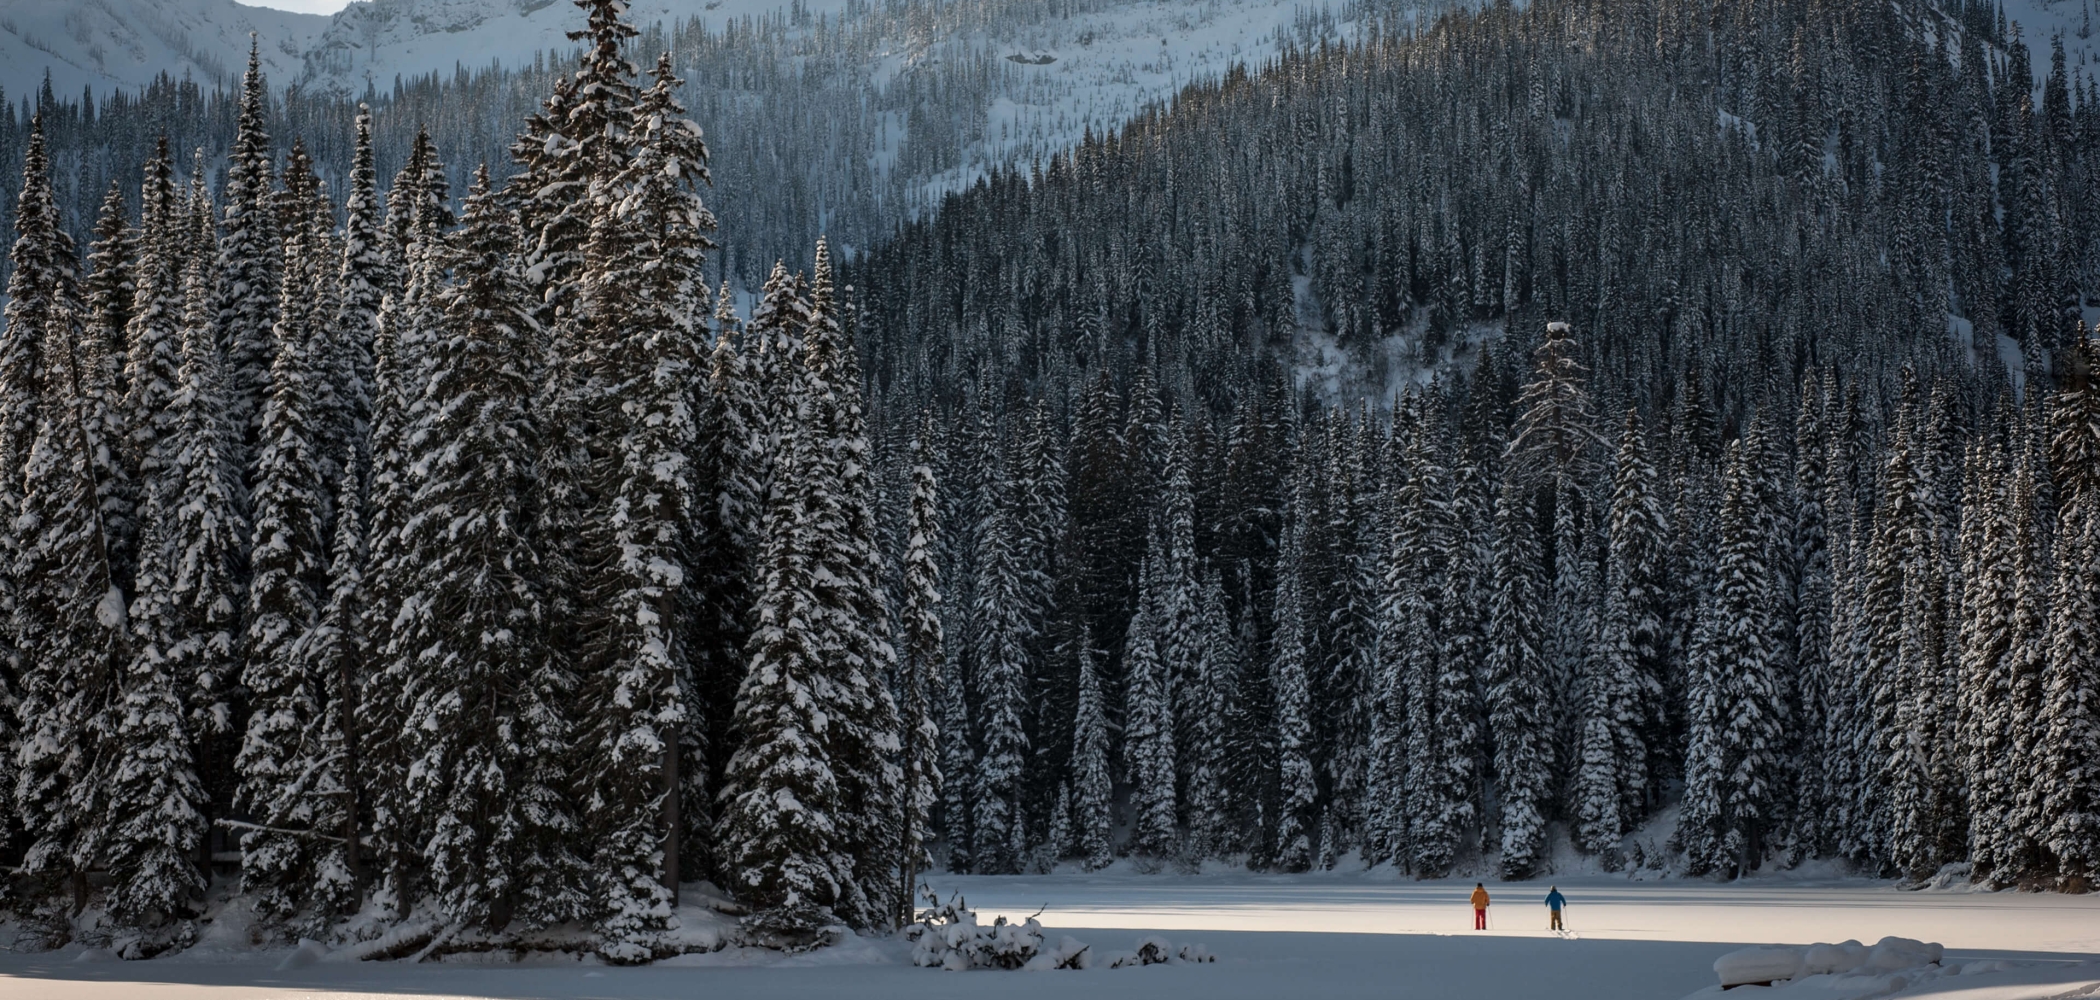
(1480, 920)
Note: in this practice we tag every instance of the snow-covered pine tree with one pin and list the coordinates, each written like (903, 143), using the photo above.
(488, 727)
(1422, 541)
(1750, 689)
(1057, 842)
(1002, 696)
(71, 614)
(185, 626)
(1039, 524)
(1148, 727)
(635, 497)
(728, 503)
(367, 271)
(1177, 591)
(152, 820)
(660, 198)
(106, 293)
(2067, 769)
(21, 381)
(2019, 854)
(1438, 835)
(1987, 744)
(250, 263)
(2068, 764)
(1216, 675)
(580, 134)
(325, 795)
(1516, 685)
(958, 765)
(1907, 591)
(67, 613)
(1092, 793)
(1571, 626)
(389, 616)
(112, 279)
(854, 609)
(1556, 431)
(1813, 591)
(1293, 837)
(153, 327)
(777, 832)
(919, 666)
(1699, 817)
(288, 560)
(1401, 657)
(1623, 683)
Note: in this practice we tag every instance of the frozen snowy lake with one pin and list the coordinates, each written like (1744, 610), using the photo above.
(1335, 935)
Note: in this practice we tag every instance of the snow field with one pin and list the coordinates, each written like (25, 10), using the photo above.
(1335, 935)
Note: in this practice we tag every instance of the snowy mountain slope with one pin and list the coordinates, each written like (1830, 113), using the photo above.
(372, 41)
(2072, 20)
(110, 44)
(1104, 62)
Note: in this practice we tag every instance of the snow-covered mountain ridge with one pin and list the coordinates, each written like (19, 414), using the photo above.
(124, 44)
(113, 44)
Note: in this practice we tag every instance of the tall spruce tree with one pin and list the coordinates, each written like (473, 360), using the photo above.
(288, 560)
(919, 667)
(1517, 694)
(1293, 836)
(1002, 674)
(1091, 807)
(250, 263)
(1148, 729)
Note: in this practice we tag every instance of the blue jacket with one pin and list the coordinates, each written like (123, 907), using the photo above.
(1555, 901)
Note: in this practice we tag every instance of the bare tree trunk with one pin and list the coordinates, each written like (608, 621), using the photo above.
(671, 817)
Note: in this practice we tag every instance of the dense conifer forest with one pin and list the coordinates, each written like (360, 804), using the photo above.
(1645, 436)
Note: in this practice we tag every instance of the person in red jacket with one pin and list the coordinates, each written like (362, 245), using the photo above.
(1480, 906)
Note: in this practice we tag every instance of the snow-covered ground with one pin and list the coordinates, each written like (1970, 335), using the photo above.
(1334, 935)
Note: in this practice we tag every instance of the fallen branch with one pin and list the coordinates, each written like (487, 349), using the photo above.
(235, 824)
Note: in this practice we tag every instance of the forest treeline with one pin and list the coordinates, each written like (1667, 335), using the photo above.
(1766, 517)
(473, 561)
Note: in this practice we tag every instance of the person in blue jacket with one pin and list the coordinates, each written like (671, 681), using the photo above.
(1555, 902)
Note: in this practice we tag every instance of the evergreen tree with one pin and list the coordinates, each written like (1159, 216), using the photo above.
(185, 621)
(71, 615)
(2067, 767)
(728, 501)
(581, 135)
(1002, 694)
(1293, 729)
(67, 613)
(489, 724)
(107, 292)
(919, 674)
(1516, 686)
(366, 273)
(852, 603)
(152, 816)
(1749, 693)
(2019, 853)
(1211, 698)
(250, 264)
(958, 766)
(288, 561)
(1091, 807)
(1986, 632)
(1148, 729)
(777, 830)
(326, 795)
(153, 327)
(1623, 685)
